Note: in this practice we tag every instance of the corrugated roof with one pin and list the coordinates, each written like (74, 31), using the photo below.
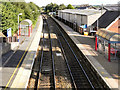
(109, 35)
(82, 12)
(112, 7)
(106, 19)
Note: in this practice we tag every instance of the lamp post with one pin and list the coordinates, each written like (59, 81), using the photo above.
(18, 26)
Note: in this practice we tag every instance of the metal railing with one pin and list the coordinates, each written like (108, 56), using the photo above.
(9, 39)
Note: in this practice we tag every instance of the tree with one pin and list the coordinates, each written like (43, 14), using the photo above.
(9, 14)
(70, 7)
(62, 6)
(7, 20)
(51, 7)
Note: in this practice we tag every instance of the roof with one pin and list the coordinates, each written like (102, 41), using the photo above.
(82, 12)
(2, 35)
(110, 36)
(26, 22)
(83, 7)
(106, 19)
(112, 7)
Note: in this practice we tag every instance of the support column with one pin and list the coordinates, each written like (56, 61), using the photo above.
(109, 48)
(19, 30)
(95, 43)
(28, 31)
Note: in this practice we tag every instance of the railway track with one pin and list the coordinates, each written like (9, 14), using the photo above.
(43, 74)
(47, 61)
(78, 75)
(81, 75)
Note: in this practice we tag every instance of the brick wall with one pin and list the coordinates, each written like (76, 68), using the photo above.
(115, 27)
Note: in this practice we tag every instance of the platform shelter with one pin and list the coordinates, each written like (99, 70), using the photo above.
(25, 27)
(108, 42)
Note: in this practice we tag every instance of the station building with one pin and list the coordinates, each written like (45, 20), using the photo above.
(109, 20)
(80, 19)
(106, 21)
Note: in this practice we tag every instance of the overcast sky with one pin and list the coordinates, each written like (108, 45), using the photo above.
(73, 2)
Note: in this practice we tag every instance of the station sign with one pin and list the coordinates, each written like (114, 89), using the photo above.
(9, 33)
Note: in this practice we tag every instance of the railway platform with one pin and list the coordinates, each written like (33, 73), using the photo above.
(109, 71)
(17, 70)
(22, 78)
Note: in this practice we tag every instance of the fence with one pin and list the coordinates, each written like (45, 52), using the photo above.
(10, 39)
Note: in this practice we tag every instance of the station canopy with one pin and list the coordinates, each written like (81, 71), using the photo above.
(26, 22)
(110, 36)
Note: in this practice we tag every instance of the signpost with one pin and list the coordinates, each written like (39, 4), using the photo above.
(9, 34)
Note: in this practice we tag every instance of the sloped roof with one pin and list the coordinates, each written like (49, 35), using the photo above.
(109, 35)
(112, 7)
(106, 19)
(2, 35)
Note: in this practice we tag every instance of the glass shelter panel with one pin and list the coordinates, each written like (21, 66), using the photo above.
(106, 37)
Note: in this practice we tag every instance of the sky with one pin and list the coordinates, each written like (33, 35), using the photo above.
(73, 2)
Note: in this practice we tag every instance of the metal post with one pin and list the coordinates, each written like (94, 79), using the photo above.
(18, 24)
(19, 30)
(97, 24)
(104, 45)
(29, 31)
(109, 48)
(95, 43)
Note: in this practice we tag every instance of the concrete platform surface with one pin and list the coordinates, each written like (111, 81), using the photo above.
(16, 71)
(23, 75)
(109, 71)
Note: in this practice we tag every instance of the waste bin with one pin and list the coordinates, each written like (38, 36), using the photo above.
(86, 33)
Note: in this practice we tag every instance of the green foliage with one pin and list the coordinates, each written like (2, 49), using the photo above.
(51, 7)
(35, 10)
(54, 7)
(62, 6)
(9, 14)
(70, 7)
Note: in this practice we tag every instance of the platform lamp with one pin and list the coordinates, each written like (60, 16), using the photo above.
(18, 26)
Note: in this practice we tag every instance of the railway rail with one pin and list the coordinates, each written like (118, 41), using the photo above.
(47, 60)
(78, 75)
(43, 70)
(81, 75)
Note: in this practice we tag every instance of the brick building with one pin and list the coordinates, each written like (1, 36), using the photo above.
(115, 26)
(110, 20)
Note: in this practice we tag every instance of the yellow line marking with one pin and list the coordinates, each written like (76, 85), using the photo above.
(106, 77)
(17, 66)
